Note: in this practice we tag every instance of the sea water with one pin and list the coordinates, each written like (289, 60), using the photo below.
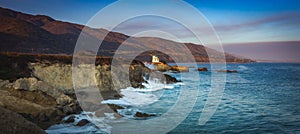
(260, 98)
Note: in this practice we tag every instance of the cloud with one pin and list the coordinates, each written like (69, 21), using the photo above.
(283, 19)
(277, 26)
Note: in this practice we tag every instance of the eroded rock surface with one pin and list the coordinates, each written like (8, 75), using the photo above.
(47, 95)
(13, 123)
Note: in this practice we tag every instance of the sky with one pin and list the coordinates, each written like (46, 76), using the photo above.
(237, 23)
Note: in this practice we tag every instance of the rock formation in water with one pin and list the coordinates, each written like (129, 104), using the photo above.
(202, 69)
(228, 71)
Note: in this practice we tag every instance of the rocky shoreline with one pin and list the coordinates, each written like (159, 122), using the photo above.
(44, 93)
(40, 89)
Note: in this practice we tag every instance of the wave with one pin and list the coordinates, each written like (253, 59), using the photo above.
(150, 66)
(237, 79)
(141, 96)
(242, 67)
(133, 98)
(71, 128)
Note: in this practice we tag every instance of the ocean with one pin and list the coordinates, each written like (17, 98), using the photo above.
(260, 98)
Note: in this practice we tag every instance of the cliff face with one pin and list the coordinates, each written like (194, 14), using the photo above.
(59, 76)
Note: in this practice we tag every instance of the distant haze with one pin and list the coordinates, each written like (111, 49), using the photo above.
(267, 51)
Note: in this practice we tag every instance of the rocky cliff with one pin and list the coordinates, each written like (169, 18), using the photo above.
(42, 89)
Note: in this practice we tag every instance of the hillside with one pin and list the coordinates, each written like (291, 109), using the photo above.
(20, 32)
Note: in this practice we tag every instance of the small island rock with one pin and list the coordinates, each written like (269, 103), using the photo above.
(202, 69)
(143, 115)
(82, 122)
(228, 71)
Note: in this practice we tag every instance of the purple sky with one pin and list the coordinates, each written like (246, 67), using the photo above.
(287, 51)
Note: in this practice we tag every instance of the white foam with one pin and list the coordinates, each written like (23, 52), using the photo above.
(242, 67)
(150, 66)
(153, 85)
(69, 128)
(101, 122)
(132, 97)
(129, 113)
(179, 84)
(141, 96)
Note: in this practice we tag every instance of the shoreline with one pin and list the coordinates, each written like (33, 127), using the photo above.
(40, 87)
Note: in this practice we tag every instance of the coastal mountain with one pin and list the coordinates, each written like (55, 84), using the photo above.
(25, 33)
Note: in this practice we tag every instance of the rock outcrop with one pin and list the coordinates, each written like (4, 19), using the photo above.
(3, 83)
(48, 95)
(82, 122)
(228, 71)
(163, 67)
(202, 69)
(180, 68)
(34, 106)
(13, 123)
(30, 84)
(143, 115)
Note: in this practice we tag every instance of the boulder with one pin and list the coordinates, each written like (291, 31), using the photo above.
(228, 71)
(49, 90)
(13, 123)
(3, 83)
(82, 122)
(30, 84)
(143, 115)
(171, 79)
(115, 107)
(70, 119)
(32, 106)
(202, 69)
(68, 110)
(63, 100)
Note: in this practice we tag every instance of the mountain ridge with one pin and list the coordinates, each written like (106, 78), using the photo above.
(20, 32)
